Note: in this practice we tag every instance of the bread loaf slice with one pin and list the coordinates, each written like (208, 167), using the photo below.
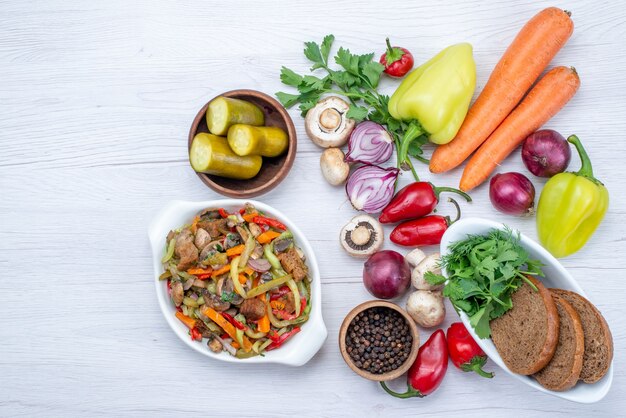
(563, 370)
(598, 340)
(527, 334)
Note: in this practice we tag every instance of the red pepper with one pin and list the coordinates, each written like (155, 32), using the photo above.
(233, 321)
(397, 61)
(273, 335)
(282, 291)
(424, 231)
(262, 220)
(281, 340)
(196, 335)
(414, 201)
(286, 316)
(429, 369)
(223, 213)
(464, 352)
(204, 276)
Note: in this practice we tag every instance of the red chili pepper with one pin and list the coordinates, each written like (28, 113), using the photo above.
(424, 231)
(414, 201)
(196, 335)
(465, 353)
(282, 291)
(281, 340)
(242, 211)
(224, 336)
(429, 369)
(397, 61)
(262, 220)
(273, 335)
(223, 213)
(204, 276)
(233, 321)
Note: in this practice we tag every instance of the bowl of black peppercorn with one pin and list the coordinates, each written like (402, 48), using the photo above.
(378, 340)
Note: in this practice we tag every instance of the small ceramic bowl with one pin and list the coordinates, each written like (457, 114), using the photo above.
(556, 276)
(299, 349)
(394, 373)
(273, 170)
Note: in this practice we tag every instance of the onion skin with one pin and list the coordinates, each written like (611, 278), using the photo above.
(369, 143)
(512, 193)
(370, 188)
(546, 153)
(386, 274)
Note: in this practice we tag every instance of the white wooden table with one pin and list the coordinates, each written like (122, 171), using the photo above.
(96, 99)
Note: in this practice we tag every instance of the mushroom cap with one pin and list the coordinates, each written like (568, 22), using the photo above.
(326, 123)
(362, 236)
(334, 169)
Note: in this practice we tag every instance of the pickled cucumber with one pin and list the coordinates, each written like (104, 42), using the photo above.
(211, 154)
(223, 112)
(267, 141)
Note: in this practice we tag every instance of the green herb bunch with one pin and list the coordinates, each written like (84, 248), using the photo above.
(358, 81)
(483, 272)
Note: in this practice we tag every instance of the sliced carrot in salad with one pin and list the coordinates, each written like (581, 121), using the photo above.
(231, 252)
(267, 236)
(227, 326)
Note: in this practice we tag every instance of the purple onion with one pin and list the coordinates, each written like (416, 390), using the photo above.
(546, 153)
(386, 274)
(512, 193)
(261, 265)
(369, 143)
(370, 188)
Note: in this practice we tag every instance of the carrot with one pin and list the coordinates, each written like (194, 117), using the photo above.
(531, 51)
(248, 217)
(248, 271)
(236, 250)
(235, 345)
(189, 322)
(196, 271)
(227, 327)
(242, 279)
(267, 236)
(263, 324)
(545, 100)
(221, 271)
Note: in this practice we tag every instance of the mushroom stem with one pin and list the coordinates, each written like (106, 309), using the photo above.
(361, 235)
(330, 119)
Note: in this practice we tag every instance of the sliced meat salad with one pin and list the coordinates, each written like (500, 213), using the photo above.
(238, 280)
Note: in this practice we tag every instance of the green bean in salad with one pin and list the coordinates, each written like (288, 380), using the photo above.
(237, 292)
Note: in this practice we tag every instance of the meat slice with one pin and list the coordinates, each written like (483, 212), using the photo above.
(213, 227)
(293, 264)
(288, 300)
(185, 250)
(253, 309)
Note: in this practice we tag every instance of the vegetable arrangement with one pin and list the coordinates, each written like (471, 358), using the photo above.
(238, 280)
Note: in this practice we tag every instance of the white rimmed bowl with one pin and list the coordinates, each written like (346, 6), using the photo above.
(555, 276)
(302, 347)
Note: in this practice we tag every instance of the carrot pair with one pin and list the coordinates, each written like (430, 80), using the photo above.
(520, 66)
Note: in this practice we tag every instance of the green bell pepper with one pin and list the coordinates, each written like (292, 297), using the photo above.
(435, 96)
(571, 207)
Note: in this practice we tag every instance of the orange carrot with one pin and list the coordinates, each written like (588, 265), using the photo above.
(531, 51)
(242, 279)
(236, 250)
(189, 322)
(221, 271)
(196, 271)
(263, 324)
(248, 217)
(248, 271)
(227, 327)
(548, 96)
(267, 236)
(235, 345)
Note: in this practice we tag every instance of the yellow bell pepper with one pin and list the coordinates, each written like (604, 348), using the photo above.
(571, 207)
(435, 97)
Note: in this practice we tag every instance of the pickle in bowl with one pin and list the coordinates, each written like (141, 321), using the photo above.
(223, 112)
(211, 154)
(267, 141)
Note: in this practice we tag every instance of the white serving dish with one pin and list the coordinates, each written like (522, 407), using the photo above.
(298, 350)
(555, 276)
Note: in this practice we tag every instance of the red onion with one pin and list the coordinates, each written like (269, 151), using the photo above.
(386, 274)
(546, 153)
(512, 193)
(370, 188)
(261, 265)
(369, 143)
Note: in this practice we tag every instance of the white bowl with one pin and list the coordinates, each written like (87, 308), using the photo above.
(555, 276)
(302, 347)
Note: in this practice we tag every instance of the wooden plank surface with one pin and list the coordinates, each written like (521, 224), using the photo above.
(96, 100)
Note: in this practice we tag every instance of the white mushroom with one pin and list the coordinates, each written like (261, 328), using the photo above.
(426, 308)
(326, 123)
(362, 236)
(334, 169)
(428, 264)
(414, 257)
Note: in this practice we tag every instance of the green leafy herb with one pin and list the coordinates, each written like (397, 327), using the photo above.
(483, 272)
(357, 79)
(227, 296)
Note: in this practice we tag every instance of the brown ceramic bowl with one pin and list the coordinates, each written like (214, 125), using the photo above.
(394, 373)
(273, 170)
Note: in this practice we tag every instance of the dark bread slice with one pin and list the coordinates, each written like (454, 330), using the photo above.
(527, 334)
(598, 340)
(563, 370)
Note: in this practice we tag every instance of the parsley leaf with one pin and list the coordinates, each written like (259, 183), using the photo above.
(357, 113)
(483, 272)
